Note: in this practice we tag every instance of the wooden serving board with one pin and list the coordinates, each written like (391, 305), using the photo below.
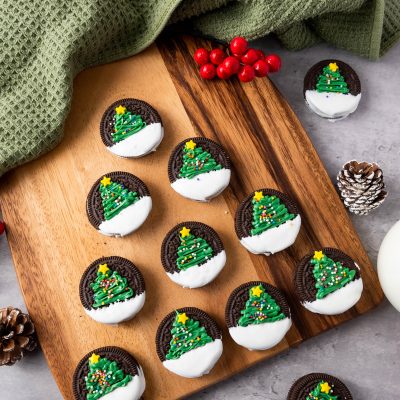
(52, 242)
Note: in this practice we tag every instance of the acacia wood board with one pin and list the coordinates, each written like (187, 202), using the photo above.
(52, 242)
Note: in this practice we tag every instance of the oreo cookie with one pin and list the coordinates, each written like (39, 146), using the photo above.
(267, 221)
(131, 128)
(112, 290)
(118, 203)
(257, 315)
(192, 254)
(328, 281)
(332, 89)
(199, 169)
(189, 342)
(319, 386)
(108, 371)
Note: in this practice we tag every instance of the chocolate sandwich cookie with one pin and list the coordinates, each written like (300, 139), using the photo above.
(199, 169)
(318, 386)
(192, 254)
(257, 315)
(112, 290)
(328, 281)
(131, 128)
(267, 221)
(108, 372)
(118, 203)
(189, 342)
(332, 89)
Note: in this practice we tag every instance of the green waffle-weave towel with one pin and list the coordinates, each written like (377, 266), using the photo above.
(44, 44)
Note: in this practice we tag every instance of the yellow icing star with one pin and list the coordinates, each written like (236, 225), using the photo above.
(333, 67)
(318, 255)
(256, 291)
(182, 318)
(184, 232)
(325, 388)
(120, 110)
(258, 196)
(105, 181)
(190, 145)
(94, 358)
(103, 268)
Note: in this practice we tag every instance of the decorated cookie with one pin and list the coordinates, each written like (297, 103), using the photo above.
(192, 254)
(112, 290)
(189, 342)
(332, 89)
(131, 128)
(199, 169)
(267, 221)
(317, 386)
(257, 315)
(328, 282)
(118, 203)
(108, 373)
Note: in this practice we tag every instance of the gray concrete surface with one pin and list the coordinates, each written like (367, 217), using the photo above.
(365, 352)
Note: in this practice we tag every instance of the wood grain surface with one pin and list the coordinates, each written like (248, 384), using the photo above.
(52, 242)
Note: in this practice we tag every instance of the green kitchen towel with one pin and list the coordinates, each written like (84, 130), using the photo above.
(44, 44)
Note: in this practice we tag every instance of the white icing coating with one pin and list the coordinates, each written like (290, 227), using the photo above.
(203, 187)
(128, 220)
(332, 105)
(119, 311)
(389, 265)
(140, 143)
(261, 336)
(198, 276)
(197, 362)
(132, 391)
(338, 301)
(275, 239)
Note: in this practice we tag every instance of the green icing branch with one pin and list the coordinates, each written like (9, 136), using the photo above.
(331, 80)
(126, 124)
(322, 392)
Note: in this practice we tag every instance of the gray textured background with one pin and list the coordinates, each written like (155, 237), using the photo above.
(365, 352)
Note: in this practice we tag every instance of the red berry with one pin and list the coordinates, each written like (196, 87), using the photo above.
(260, 54)
(222, 72)
(274, 62)
(238, 45)
(231, 64)
(217, 56)
(246, 73)
(201, 56)
(250, 57)
(207, 71)
(261, 68)
(2, 227)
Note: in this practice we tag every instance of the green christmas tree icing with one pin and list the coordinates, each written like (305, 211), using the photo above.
(331, 80)
(329, 275)
(115, 197)
(126, 124)
(322, 392)
(110, 287)
(104, 376)
(268, 212)
(187, 334)
(260, 308)
(192, 250)
(196, 161)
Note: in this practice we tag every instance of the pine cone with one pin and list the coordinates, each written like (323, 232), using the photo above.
(17, 335)
(361, 186)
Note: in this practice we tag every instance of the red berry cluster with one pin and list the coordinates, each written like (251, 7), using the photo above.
(241, 60)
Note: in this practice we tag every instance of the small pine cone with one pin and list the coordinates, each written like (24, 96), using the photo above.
(361, 186)
(17, 335)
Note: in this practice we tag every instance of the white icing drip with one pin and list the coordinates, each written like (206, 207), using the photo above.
(275, 239)
(197, 362)
(332, 105)
(198, 276)
(389, 265)
(261, 336)
(128, 220)
(203, 187)
(119, 311)
(140, 143)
